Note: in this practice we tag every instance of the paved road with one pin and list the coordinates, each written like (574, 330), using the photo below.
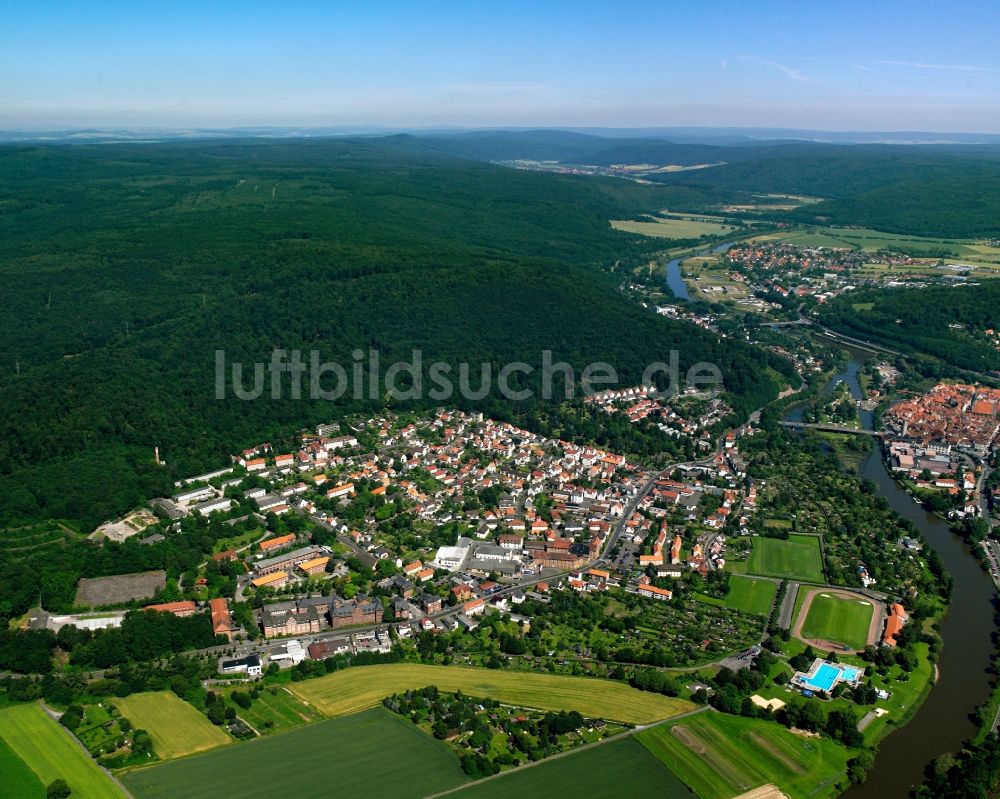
(857, 342)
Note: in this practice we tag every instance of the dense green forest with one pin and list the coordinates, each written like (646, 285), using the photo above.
(950, 191)
(927, 191)
(126, 267)
(920, 321)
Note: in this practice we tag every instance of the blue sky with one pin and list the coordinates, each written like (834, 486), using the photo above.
(836, 65)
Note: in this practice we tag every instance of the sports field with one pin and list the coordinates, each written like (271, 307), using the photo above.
(175, 726)
(51, 753)
(362, 687)
(720, 756)
(747, 594)
(612, 770)
(798, 558)
(372, 754)
(838, 619)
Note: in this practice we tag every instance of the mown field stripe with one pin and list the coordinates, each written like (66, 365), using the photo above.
(176, 727)
(362, 687)
(612, 770)
(17, 780)
(372, 754)
(50, 751)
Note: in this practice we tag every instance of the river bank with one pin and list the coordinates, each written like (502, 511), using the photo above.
(946, 717)
(674, 279)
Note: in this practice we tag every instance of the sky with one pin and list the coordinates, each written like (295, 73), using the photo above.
(836, 65)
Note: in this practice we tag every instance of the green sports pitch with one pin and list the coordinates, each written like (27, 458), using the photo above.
(748, 594)
(839, 619)
(797, 558)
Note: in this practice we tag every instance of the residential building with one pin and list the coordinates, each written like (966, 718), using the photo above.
(222, 622)
(652, 592)
(181, 609)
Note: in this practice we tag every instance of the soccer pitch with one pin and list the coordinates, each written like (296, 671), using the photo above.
(839, 619)
(749, 594)
(798, 558)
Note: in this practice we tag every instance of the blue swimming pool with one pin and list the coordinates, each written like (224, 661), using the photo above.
(824, 678)
(827, 675)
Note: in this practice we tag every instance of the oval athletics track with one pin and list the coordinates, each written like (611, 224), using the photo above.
(874, 629)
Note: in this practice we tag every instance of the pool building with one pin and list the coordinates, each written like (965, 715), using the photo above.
(825, 676)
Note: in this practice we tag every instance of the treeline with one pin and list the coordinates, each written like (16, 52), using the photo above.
(143, 636)
(52, 573)
(121, 681)
(971, 774)
(179, 250)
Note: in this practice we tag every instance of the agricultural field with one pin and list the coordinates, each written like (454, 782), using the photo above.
(747, 594)
(618, 768)
(19, 781)
(797, 558)
(773, 202)
(372, 754)
(674, 227)
(839, 619)
(361, 687)
(720, 756)
(175, 726)
(275, 710)
(51, 753)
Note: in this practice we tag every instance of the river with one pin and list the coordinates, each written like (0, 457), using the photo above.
(675, 282)
(944, 720)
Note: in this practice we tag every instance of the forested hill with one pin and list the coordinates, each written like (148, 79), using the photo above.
(930, 190)
(927, 191)
(126, 267)
(945, 322)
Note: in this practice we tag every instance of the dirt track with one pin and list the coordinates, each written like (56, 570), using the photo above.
(684, 735)
(763, 792)
(874, 630)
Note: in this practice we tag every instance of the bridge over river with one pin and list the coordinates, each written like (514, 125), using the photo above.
(831, 428)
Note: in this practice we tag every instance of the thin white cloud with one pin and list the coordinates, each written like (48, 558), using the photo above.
(790, 72)
(946, 67)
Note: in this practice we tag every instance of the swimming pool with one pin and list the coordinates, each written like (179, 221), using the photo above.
(824, 678)
(827, 674)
